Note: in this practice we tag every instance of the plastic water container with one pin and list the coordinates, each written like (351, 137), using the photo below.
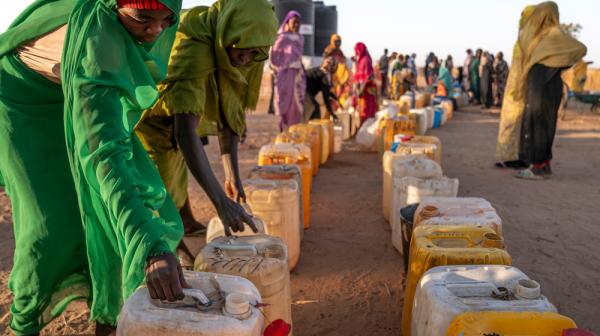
(405, 124)
(509, 323)
(262, 259)
(217, 304)
(406, 102)
(448, 107)
(420, 100)
(430, 116)
(457, 211)
(444, 293)
(433, 246)
(276, 203)
(215, 229)
(312, 132)
(366, 137)
(429, 140)
(327, 137)
(421, 120)
(287, 172)
(339, 137)
(409, 165)
(416, 147)
(345, 120)
(355, 120)
(438, 116)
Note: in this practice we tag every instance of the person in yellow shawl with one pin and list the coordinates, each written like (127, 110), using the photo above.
(542, 50)
(341, 77)
(214, 75)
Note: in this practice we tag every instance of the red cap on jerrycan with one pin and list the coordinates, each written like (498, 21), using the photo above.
(577, 332)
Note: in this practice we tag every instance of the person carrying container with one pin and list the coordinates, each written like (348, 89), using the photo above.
(319, 80)
(213, 77)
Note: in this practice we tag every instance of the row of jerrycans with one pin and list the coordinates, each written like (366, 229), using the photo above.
(460, 281)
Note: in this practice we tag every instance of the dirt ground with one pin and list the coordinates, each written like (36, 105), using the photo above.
(349, 279)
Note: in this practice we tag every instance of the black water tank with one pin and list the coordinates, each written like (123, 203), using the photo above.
(306, 8)
(325, 25)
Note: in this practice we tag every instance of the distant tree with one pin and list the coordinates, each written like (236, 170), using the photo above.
(572, 29)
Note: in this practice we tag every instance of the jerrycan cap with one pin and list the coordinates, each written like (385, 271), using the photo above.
(528, 289)
(237, 306)
(492, 240)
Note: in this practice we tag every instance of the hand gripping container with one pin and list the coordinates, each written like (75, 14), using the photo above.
(446, 292)
(413, 168)
(433, 246)
(509, 323)
(216, 305)
(326, 138)
(286, 172)
(429, 149)
(457, 211)
(409, 190)
(305, 136)
(276, 203)
(215, 228)
(429, 140)
(262, 259)
(276, 154)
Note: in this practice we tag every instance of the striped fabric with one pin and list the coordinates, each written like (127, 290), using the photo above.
(141, 4)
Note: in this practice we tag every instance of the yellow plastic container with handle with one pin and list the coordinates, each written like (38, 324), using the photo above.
(404, 124)
(509, 324)
(326, 139)
(313, 132)
(308, 139)
(286, 154)
(433, 246)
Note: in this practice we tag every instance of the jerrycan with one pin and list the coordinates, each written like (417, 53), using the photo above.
(338, 139)
(307, 137)
(409, 190)
(419, 147)
(217, 304)
(433, 246)
(457, 211)
(446, 292)
(321, 136)
(286, 172)
(276, 203)
(420, 100)
(421, 120)
(345, 120)
(262, 259)
(448, 107)
(429, 140)
(403, 124)
(508, 323)
(412, 167)
(215, 228)
(325, 139)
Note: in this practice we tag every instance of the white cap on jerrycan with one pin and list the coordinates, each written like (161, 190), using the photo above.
(528, 289)
(237, 306)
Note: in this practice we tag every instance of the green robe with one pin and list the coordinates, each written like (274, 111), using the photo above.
(474, 76)
(108, 79)
(49, 265)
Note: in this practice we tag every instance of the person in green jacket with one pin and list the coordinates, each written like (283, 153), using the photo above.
(474, 76)
(214, 76)
(58, 152)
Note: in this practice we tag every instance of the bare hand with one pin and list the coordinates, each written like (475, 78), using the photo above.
(233, 216)
(164, 278)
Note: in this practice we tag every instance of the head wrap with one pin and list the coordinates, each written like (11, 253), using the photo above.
(364, 63)
(287, 19)
(141, 4)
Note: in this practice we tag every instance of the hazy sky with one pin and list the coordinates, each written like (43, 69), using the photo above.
(444, 27)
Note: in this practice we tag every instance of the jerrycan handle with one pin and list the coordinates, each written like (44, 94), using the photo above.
(251, 249)
(198, 295)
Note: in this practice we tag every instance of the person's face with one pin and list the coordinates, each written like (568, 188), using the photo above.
(241, 57)
(294, 24)
(145, 25)
(337, 43)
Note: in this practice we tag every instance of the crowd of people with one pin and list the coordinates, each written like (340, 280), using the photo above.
(109, 104)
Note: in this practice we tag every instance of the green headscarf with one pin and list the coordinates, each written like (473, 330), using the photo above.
(199, 55)
(108, 79)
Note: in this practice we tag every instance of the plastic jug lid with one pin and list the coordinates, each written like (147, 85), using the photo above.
(237, 305)
(528, 289)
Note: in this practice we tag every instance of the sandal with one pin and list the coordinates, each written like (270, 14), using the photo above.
(529, 174)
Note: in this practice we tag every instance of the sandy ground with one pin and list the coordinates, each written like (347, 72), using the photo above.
(349, 279)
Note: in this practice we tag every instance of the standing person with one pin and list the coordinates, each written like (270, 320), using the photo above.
(397, 80)
(500, 77)
(290, 79)
(233, 37)
(434, 71)
(412, 64)
(428, 61)
(485, 75)
(449, 64)
(50, 267)
(474, 76)
(318, 80)
(384, 65)
(467, 71)
(444, 82)
(341, 77)
(364, 82)
(548, 50)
